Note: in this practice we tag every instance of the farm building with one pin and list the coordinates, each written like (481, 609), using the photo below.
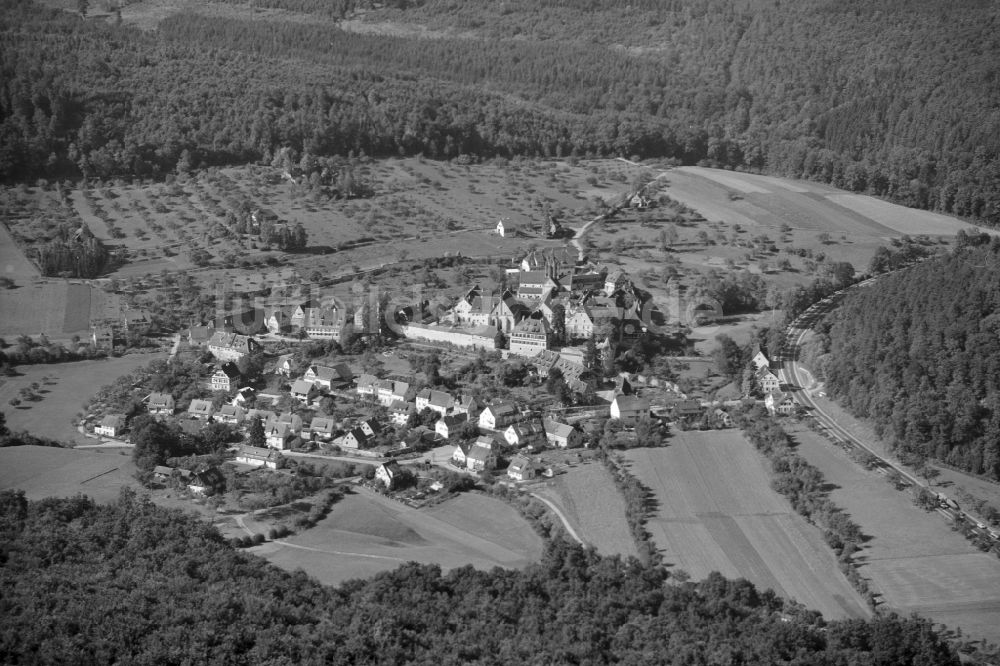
(258, 457)
(326, 377)
(562, 435)
(112, 425)
(629, 409)
(440, 401)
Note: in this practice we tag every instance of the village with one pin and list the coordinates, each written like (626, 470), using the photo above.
(549, 335)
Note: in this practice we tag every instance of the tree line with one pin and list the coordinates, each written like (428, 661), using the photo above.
(918, 353)
(799, 90)
(174, 591)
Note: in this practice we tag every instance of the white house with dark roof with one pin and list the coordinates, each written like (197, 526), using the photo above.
(524, 433)
(226, 377)
(629, 409)
(112, 425)
(449, 426)
(562, 435)
(327, 376)
(388, 474)
(499, 416)
(460, 454)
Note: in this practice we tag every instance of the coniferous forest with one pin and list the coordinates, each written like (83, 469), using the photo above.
(898, 99)
(130, 582)
(919, 353)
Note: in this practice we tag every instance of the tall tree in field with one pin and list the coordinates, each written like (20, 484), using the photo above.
(729, 358)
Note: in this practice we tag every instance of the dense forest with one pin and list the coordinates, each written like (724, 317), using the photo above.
(919, 353)
(133, 583)
(899, 99)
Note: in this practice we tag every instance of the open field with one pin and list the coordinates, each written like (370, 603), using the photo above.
(805, 204)
(366, 533)
(68, 386)
(913, 557)
(42, 471)
(717, 512)
(587, 495)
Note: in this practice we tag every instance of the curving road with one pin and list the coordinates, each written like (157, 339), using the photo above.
(796, 379)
